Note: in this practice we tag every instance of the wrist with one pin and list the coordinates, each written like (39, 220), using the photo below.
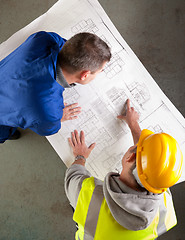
(77, 157)
(133, 124)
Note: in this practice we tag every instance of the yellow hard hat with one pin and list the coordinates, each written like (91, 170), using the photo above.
(159, 161)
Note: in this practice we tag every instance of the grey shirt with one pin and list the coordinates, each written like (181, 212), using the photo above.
(60, 77)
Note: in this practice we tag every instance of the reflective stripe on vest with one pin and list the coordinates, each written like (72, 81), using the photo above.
(96, 222)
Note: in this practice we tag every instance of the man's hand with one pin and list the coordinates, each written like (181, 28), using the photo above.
(131, 116)
(79, 146)
(70, 112)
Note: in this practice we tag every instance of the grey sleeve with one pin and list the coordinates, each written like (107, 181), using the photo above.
(73, 181)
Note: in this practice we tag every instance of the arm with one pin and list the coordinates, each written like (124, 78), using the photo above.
(77, 172)
(42, 36)
(46, 128)
(59, 40)
(131, 119)
(74, 177)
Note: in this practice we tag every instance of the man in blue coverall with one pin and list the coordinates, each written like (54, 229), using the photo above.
(34, 76)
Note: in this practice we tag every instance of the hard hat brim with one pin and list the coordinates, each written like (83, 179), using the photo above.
(144, 134)
(144, 166)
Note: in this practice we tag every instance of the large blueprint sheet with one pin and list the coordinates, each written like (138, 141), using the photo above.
(102, 100)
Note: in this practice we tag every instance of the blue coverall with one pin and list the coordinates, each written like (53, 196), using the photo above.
(30, 96)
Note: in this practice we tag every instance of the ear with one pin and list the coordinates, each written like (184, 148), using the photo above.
(84, 75)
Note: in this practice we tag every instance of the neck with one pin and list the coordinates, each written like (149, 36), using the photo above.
(70, 77)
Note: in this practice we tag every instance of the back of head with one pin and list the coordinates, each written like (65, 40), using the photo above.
(84, 51)
(159, 161)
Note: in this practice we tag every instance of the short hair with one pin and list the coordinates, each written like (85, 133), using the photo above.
(84, 51)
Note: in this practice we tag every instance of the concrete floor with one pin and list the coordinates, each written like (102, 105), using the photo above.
(32, 203)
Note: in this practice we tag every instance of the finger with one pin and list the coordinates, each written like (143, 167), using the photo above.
(92, 146)
(74, 113)
(72, 118)
(73, 138)
(77, 136)
(70, 142)
(128, 103)
(82, 137)
(132, 158)
(73, 105)
(132, 108)
(65, 104)
(133, 149)
(75, 109)
(121, 117)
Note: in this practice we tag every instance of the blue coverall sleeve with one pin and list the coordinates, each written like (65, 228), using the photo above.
(59, 40)
(46, 128)
(43, 35)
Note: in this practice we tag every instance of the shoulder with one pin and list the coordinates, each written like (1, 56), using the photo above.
(45, 37)
(78, 179)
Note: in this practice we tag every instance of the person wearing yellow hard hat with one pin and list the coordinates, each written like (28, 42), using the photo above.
(135, 204)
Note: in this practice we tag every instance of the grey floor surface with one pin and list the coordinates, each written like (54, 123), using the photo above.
(32, 200)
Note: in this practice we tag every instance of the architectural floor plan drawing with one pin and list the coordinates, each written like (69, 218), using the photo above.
(85, 26)
(114, 67)
(104, 98)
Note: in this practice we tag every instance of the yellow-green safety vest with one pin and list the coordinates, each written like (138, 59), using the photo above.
(95, 219)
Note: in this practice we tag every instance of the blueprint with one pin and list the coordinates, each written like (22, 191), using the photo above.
(104, 98)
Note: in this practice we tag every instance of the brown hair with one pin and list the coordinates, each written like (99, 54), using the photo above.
(84, 51)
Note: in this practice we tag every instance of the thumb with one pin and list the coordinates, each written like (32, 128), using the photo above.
(92, 146)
